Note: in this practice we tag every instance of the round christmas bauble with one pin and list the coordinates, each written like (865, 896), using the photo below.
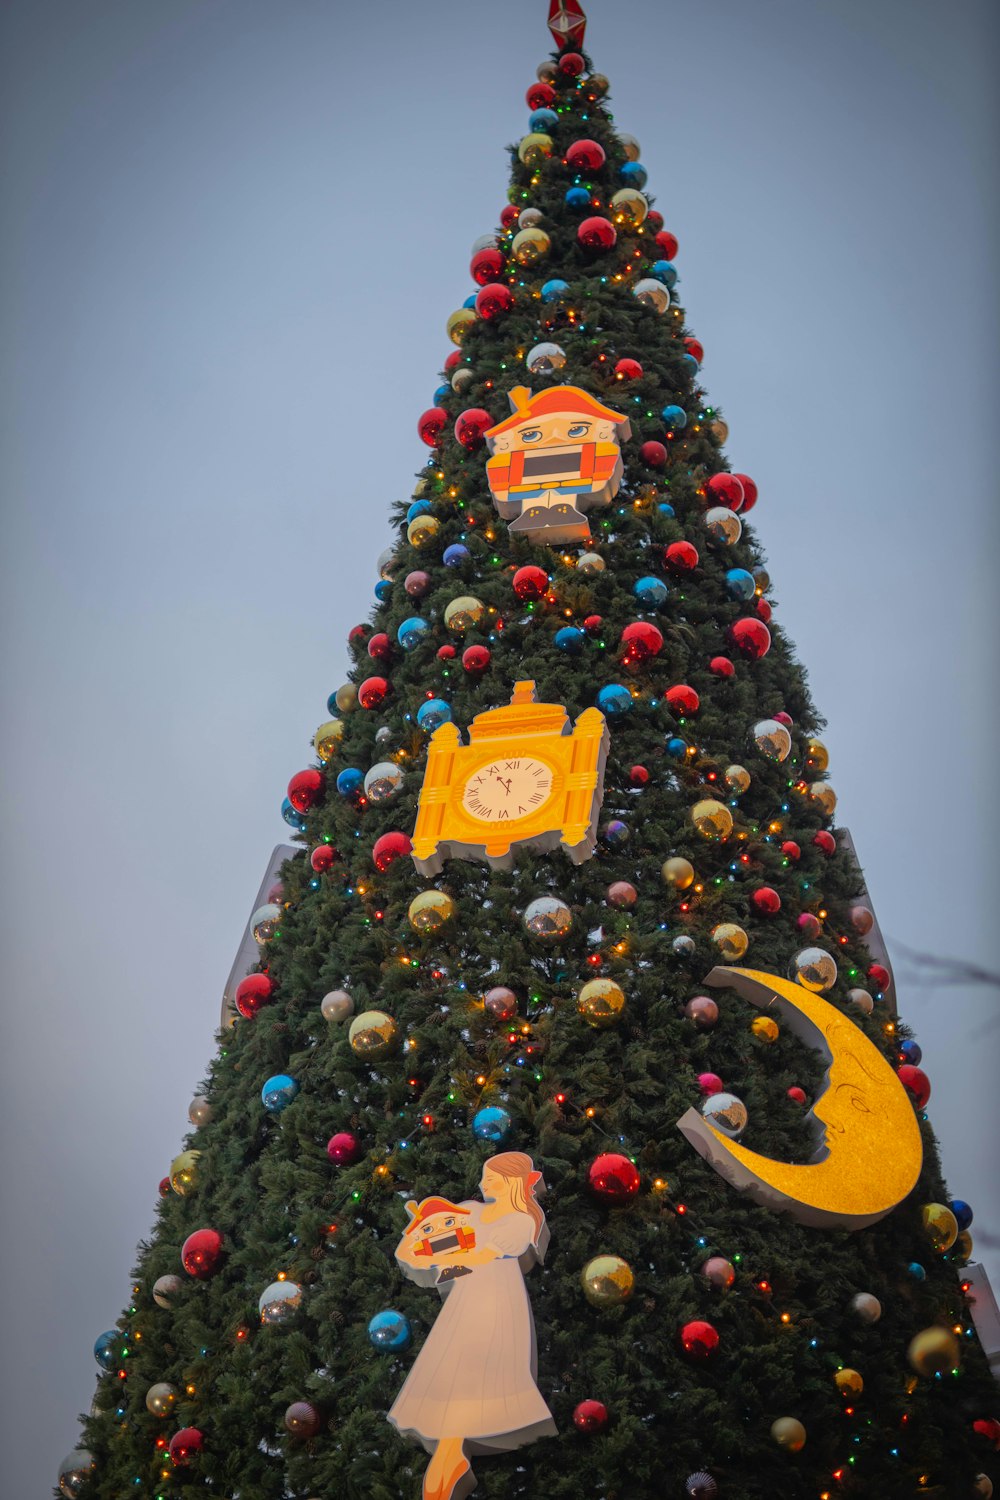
(471, 424)
(814, 969)
(73, 1473)
(463, 380)
(492, 301)
(106, 1347)
(534, 148)
(678, 872)
(940, 1226)
(684, 946)
(749, 491)
(614, 833)
(278, 1092)
(789, 1433)
(738, 779)
(509, 215)
(570, 639)
(866, 1308)
(712, 819)
(530, 582)
(726, 1113)
(766, 900)
(682, 699)
(630, 146)
(545, 359)
(459, 323)
(765, 1028)
(797, 1095)
(862, 999)
(476, 658)
(694, 349)
(279, 1302)
(411, 632)
(373, 1035)
(916, 1083)
(638, 776)
(201, 1253)
(681, 557)
(165, 1290)
(665, 271)
(703, 1011)
(387, 849)
(613, 1178)
(590, 1416)
(185, 1445)
(675, 417)
(911, 1052)
(417, 583)
(988, 1428)
(772, 739)
(629, 207)
(382, 781)
(345, 699)
(642, 641)
(597, 233)
(740, 582)
(607, 1280)
(305, 789)
(540, 95)
(343, 1148)
(628, 369)
(431, 425)
(878, 974)
(750, 637)
(600, 1002)
(825, 841)
(963, 1213)
(667, 243)
(821, 793)
(326, 740)
(701, 1486)
(253, 992)
(861, 920)
(350, 781)
(548, 917)
(731, 941)
(161, 1399)
(430, 910)
(817, 758)
(432, 713)
(650, 292)
(650, 590)
(590, 562)
(501, 1003)
(614, 700)
(585, 156)
(848, 1382)
(463, 613)
(721, 666)
(302, 1419)
(554, 290)
(492, 1124)
(961, 1251)
(982, 1486)
(529, 246)
(710, 1083)
(698, 1339)
(808, 925)
(934, 1351)
(487, 264)
(719, 1272)
(323, 858)
(184, 1172)
(336, 1006)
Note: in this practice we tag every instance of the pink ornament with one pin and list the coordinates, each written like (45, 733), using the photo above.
(784, 718)
(809, 925)
(710, 1083)
(417, 583)
(343, 1148)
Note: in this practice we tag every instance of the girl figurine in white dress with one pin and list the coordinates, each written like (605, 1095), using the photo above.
(472, 1386)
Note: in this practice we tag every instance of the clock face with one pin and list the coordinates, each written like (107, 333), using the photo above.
(504, 790)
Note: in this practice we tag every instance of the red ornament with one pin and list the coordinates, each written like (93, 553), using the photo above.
(201, 1253)
(710, 1083)
(343, 1148)
(721, 666)
(567, 24)
(252, 993)
(797, 1095)
(655, 221)
(628, 369)
(323, 857)
(809, 926)
(683, 699)
(653, 455)
(585, 156)
(681, 556)
(540, 96)
(763, 609)
(372, 693)
(475, 658)
(432, 424)
(915, 1082)
(879, 976)
(699, 1340)
(380, 647)
(638, 776)
(695, 349)
(356, 633)
(493, 300)
(593, 624)
(389, 848)
(509, 215)
(784, 718)
(642, 641)
(446, 652)
(989, 1429)
(453, 361)
(305, 790)
(597, 233)
(486, 265)
(571, 63)
(724, 489)
(185, 1444)
(791, 850)
(590, 1416)
(471, 425)
(766, 900)
(749, 491)
(613, 1178)
(530, 582)
(666, 242)
(825, 841)
(165, 1188)
(751, 638)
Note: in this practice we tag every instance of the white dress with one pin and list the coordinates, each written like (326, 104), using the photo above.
(474, 1378)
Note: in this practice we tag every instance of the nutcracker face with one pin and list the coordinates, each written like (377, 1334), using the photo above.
(508, 788)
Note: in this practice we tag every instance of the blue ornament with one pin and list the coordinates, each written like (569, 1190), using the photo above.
(383, 590)
(411, 632)
(106, 1349)
(570, 639)
(292, 816)
(278, 1092)
(690, 363)
(418, 508)
(665, 509)
(350, 781)
(470, 301)
(912, 1052)
(676, 748)
(432, 714)
(917, 1271)
(650, 590)
(962, 1212)
(576, 197)
(455, 555)
(332, 706)
(674, 416)
(614, 701)
(390, 1331)
(633, 174)
(553, 290)
(740, 584)
(542, 120)
(441, 394)
(491, 1124)
(665, 271)
(615, 833)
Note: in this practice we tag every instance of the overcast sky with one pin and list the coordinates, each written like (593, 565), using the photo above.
(233, 231)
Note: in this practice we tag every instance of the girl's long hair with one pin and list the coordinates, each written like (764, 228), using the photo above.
(519, 1170)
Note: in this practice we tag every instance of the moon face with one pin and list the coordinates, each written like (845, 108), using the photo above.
(869, 1150)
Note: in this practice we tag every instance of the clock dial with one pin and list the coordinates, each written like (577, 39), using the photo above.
(505, 789)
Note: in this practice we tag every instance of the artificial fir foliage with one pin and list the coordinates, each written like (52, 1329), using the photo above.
(287, 1211)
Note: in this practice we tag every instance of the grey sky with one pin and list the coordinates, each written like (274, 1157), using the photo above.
(232, 235)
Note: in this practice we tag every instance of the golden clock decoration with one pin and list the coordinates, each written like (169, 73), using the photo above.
(525, 779)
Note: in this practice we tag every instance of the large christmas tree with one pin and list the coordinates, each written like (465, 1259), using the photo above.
(520, 993)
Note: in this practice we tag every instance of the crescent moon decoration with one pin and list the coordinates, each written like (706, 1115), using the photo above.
(869, 1150)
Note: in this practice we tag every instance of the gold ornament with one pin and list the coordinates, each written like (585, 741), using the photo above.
(421, 530)
(326, 740)
(463, 613)
(430, 910)
(766, 1028)
(607, 1281)
(373, 1035)
(346, 697)
(184, 1172)
(822, 795)
(961, 1252)
(720, 431)
(600, 1002)
(940, 1226)
(817, 757)
(459, 324)
(534, 148)
(161, 1399)
(712, 819)
(678, 872)
(629, 206)
(789, 1433)
(737, 777)
(848, 1382)
(530, 246)
(731, 941)
(815, 970)
(590, 562)
(934, 1351)
(631, 147)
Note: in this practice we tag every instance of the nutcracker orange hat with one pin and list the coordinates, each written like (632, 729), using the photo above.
(420, 1211)
(557, 399)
